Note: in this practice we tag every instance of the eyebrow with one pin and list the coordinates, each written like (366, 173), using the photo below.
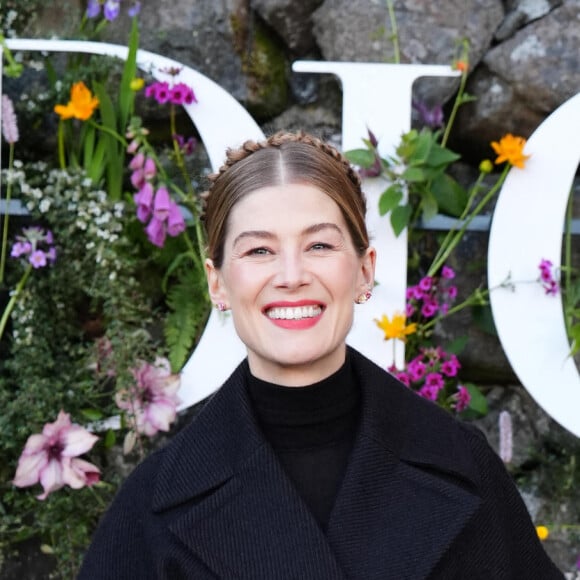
(266, 235)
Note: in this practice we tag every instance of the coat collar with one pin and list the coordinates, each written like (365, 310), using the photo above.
(236, 509)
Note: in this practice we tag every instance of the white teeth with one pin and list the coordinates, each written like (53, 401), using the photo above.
(294, 313)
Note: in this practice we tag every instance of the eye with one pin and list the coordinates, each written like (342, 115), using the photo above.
(258, 252)
(321, 246)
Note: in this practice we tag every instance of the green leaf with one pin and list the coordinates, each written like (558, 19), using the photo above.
(456, 346)
(422, 148)
(478, 403)
(92, 414)
(451, 197)
(126, 94)
(110, 438)
(361, 157)
(400, 217)
(441, 156)
(414, 174)
(483, 318)
(428, 205)
(390, 198)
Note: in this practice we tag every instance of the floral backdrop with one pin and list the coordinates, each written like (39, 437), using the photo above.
(102, 286)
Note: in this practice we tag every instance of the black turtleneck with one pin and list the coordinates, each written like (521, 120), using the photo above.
(312, 430)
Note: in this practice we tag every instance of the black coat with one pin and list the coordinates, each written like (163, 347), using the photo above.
(423, 496)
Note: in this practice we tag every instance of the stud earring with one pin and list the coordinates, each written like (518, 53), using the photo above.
(221, 306)
(364, 297)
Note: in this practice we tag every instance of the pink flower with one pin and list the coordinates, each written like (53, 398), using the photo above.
(175, 221)
(152, 401)
(451, 366)
(50, 457)
(416, 370)
(137, 161)
(429, 309)
(144, 200)
(181, 94)
(149, 168)
(429, 392)
(452, 292)
(9, 124)
(161, 204)
(426, 283)
(404, 378)
(447, 272)
(137, 178)
(434, 380)
(155, 231)
(462, 397)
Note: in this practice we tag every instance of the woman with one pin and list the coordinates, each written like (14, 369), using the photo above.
(310, 462)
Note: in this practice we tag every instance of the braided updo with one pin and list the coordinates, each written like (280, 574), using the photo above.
(283, 158)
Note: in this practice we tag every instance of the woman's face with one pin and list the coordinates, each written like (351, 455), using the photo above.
(290, 275)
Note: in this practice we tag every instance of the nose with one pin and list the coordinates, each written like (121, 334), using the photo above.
(292, 272)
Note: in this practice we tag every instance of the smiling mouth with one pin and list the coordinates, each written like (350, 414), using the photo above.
(297, 313)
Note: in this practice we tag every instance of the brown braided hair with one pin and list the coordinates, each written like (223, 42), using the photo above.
(283, 158)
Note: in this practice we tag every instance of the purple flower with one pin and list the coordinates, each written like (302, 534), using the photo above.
(452, 292)
(429, 392)
(38, 259)
(551, 288)
(9, 124)
(155, 231)
(426, 283)
(161, 204)
(404, 378)
(429, 116)
(187, 146)
(144, 200)
(175, 221)
(93, 8)
(429, 309)
(133, 147)
(447, 272)
(134, 9)
(417, 293)
(20, 249)
(181, 94)
(434, 380)
(159, 91)
(152, 402)
(409, 310)
(50, 457)
(462, 399)
(111, 9)
(137, 179)
(137, 161)
(416, 369)
(149, 168)
(451, 366)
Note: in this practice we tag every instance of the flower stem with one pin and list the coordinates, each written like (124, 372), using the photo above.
(6, 217)
(110, 132)
(457, 235)
(394, 32)
(61, 154)
(13, 299)
(456, 104)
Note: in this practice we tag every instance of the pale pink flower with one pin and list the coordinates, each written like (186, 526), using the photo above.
(151, 403)
(9, 124)
(50, 458)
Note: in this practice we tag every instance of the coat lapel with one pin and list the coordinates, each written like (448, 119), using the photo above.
(227, 498)
(409, 487)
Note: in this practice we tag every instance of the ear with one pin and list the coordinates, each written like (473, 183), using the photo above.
(366, 276)
(215, 285)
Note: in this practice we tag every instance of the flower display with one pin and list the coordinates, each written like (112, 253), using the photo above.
(432, 374)
(151, 403)
(51, 458)
(81, 106)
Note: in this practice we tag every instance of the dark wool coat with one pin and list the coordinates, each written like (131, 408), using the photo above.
(424, 496)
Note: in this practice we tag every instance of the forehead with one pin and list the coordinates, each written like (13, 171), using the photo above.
(283, 208)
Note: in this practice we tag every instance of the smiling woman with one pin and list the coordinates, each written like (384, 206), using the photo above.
(310, 462)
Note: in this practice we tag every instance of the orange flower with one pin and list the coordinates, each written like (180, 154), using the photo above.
(81, 106)
(460, 65)
(510, 149)
(397, 327)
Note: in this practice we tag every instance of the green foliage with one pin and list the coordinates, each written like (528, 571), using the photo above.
(187, 300)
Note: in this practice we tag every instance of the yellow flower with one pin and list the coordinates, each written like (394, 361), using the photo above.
(137, 84)
(397, 327)
(510, 149)
(81, 106)
(542, 532)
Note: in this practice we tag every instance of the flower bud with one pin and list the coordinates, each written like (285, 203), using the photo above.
(486, 166)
